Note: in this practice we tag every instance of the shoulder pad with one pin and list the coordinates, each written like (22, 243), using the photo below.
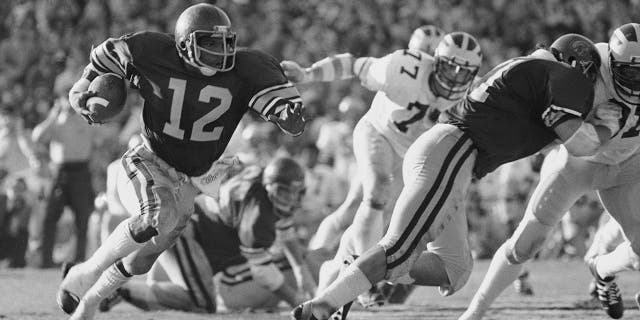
(258, 66)
(402, 74)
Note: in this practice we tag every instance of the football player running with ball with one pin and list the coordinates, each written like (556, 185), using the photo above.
(196, 86)
(514, 111)
(613, 171)
(413, 87)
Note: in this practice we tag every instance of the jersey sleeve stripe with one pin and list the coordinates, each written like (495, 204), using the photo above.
(337, 65)
(96, 63)
(103, 61)
(260, 102)
(111, 56)
(280, 102)
(555, 108)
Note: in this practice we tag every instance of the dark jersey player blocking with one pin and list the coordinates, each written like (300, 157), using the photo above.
(515, 110)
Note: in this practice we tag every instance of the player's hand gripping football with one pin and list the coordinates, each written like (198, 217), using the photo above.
(291, 120)
(294, 72)
(78, 101)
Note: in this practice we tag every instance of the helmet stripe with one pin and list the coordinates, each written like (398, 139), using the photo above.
(458, 40)
(629, 32)
(471, 45)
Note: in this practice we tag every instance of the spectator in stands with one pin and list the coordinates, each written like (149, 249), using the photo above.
(15, 223)
(70, 140)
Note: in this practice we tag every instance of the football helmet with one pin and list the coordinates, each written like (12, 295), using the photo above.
(458, 58)
(426, 38)
(204, 39)
(624, 62)
(579, 52)
(283, 178)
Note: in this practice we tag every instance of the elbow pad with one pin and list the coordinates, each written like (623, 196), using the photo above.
(267, 275)
(583, 142)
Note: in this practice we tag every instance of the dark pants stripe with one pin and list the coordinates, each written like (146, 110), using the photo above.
(142, 181)
(198, 279)
(183, 271)
(414, 220)
(435, 211)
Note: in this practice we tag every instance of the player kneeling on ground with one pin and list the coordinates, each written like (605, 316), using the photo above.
(233, 239)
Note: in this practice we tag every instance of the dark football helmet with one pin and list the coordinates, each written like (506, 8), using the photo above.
(283, 179)
(458, 58)
(204, 39)
(579, 52)
(624, 61)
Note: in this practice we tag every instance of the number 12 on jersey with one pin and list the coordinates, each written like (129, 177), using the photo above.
(207, 93)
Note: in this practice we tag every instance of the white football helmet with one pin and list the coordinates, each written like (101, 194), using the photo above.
(426, 38)
(458, 58)
(624, 61)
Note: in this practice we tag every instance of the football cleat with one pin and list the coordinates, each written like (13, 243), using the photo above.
(67, 300)
(608, 293)
(372, 298)
(74, 285)
(109, 302)
(341, 314)
(522, 285)
(303, 312)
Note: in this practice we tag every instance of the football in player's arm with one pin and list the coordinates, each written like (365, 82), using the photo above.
(196, 85)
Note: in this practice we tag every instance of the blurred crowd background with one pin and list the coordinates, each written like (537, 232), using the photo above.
(44, 45)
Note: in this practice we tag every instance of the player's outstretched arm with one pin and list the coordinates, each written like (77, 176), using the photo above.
(585, 137)
(336, 67)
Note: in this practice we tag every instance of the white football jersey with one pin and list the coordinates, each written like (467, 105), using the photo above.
(399, 109)
(627, 141)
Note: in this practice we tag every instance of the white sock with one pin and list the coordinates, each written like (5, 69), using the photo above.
(499, 276)
(351, 282)
(110, 280)
(368, 226)
(329, 271)
(621, 259)
(118, 245)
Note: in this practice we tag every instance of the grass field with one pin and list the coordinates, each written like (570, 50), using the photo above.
(560, 293)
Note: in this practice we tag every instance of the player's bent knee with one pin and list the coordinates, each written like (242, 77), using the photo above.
(268, 276)
(141, 229)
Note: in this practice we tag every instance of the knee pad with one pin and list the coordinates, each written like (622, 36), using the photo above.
(527, 240)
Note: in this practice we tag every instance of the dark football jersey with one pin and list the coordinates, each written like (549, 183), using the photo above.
(245, 223)
(188, 117)
(510, 113)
